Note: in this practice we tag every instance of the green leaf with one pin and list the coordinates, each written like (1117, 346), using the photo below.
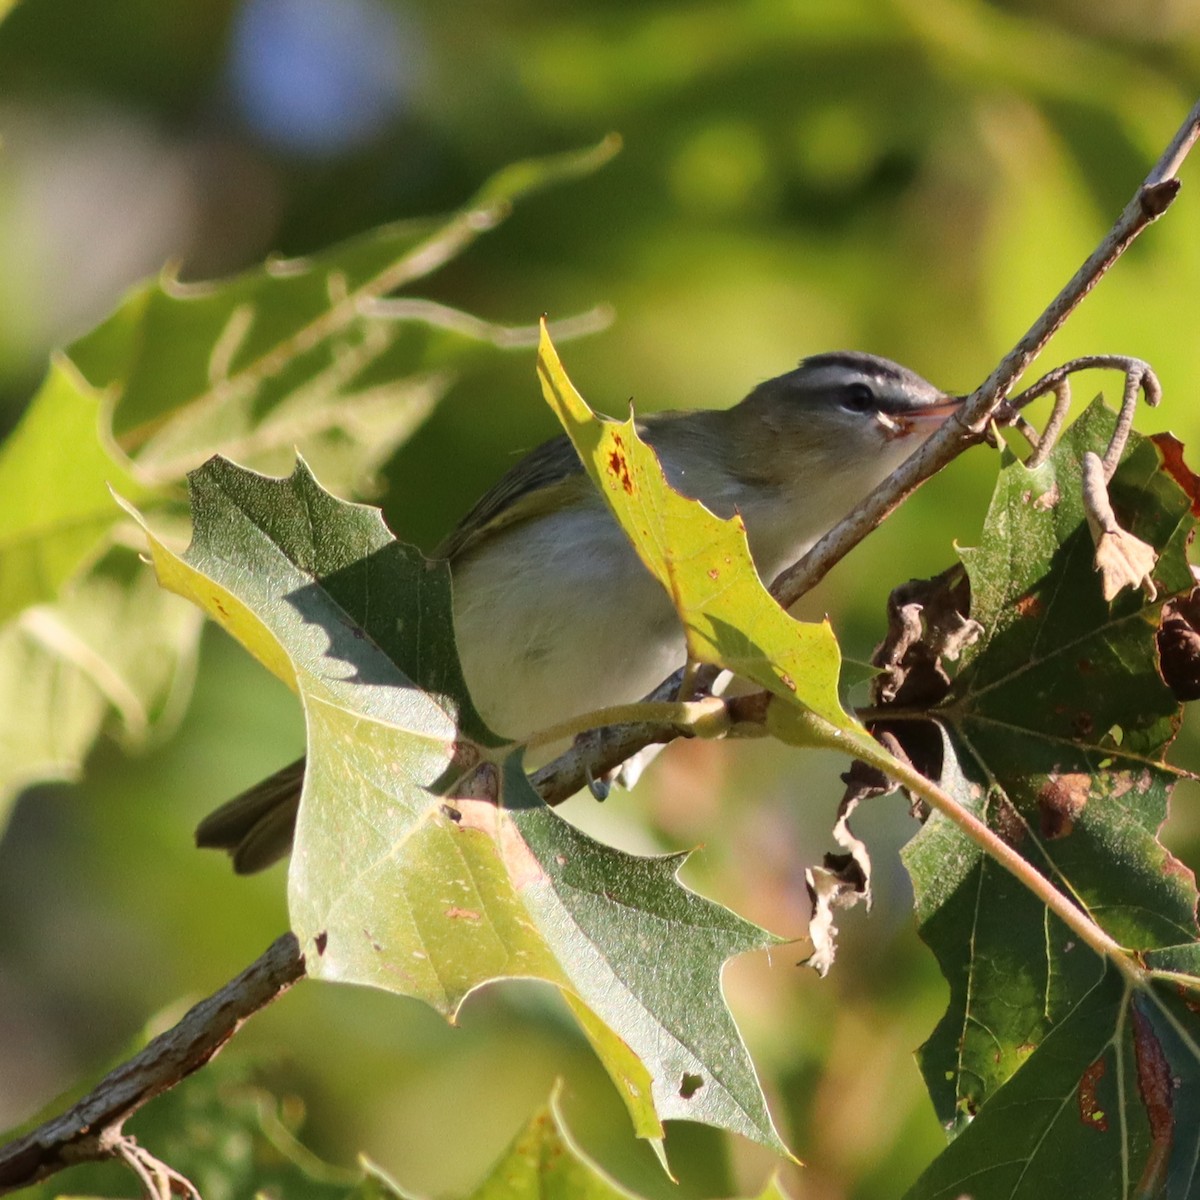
(1055, 732)
(701, 560)
(115, 653)
(543, 1163)
(289, 355)
(56, 512)
(1111, 1096)
(424, 863)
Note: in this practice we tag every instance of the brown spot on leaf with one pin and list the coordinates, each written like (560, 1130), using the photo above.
(1048, 500)
(1172, 866)
(713, 573)
(1155, 1087)
(1092, 1115)
(788, 682)
(618, 465)
(1008, 824)
(1029, 605)
(519, 861)
(1086, 666)
(1060, 800)
(451, 813)
(462, 914)
(321, 941)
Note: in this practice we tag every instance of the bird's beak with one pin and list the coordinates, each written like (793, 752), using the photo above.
(947, 407)
(902, 425)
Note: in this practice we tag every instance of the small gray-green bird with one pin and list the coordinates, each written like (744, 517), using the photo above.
(554, 613)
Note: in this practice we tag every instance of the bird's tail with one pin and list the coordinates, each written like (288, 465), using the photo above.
(255, 828)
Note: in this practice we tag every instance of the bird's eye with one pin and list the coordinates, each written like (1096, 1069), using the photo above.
(858, 398)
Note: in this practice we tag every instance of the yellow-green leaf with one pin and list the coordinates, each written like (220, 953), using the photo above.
(703, 561)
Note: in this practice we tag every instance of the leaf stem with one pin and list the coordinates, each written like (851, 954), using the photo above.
(707, 717)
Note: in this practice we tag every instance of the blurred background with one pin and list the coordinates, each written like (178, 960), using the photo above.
(915, 178)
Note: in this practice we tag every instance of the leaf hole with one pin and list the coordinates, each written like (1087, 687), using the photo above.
(690, 1084)
(321, 941)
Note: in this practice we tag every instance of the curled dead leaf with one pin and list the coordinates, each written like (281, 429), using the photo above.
(1122, 559)
(843, 880)
(927, 622)
(1179, 646)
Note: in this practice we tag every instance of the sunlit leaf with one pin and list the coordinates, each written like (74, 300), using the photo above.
(701, 560)
(282, 357)
(544, 1163)
(424, 863)
(55, 508)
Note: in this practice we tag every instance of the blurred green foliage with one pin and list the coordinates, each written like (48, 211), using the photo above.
(912, 177)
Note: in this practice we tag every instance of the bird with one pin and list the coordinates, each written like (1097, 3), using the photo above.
(554, 613)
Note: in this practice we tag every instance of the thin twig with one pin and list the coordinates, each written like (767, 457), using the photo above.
(1139, 378)
(92, 1129)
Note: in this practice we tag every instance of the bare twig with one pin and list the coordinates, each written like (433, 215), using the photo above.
(1139, 378)
(92, 1129)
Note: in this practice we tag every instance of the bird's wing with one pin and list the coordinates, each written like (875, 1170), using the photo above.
(541, 482)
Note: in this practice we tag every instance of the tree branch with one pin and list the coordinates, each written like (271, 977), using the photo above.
(93, 1128)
